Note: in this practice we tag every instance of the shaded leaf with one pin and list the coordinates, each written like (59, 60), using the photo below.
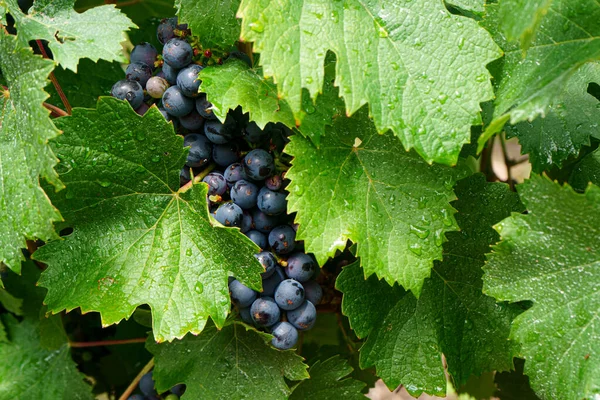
(586, 171)
(213, 22)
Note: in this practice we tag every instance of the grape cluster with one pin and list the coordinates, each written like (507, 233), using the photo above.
(244, 168)
(146, 386)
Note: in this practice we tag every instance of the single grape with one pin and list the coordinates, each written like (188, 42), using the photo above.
(282, 239)
(270, 284)
(225, 154)
(268, 262)
(265, 311)
(301, 267)
(141, 110)
(184, 175)
(303, 317)
(179, 389)
(144, 53)
(204, 107)
(192, 122)
(246, 315)
(128, 90)
(229, 214)
(274, 182)
(253, 134)
(241, 295)
(165, 30)
(170, 73)
(270, 202)
(289, 294)
(146, 385)
(216, 183)
(200, 150)
(313, 292)
(243, 193)
(138, 72)
(156, 87)
(258, 164)
(188, 80)
(263, 222)
(219, 133)
(234, 173)
(177, 53)
(285, 336)
(176, 103)
(258, 238)
(136, 397)
(246, 222)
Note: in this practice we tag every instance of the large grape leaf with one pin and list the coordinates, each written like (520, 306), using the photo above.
(235, 83)
(406, 336)
(234, 362)
(571, 118)
(551, 256)
(420, 68)
(587, 170)
(475, 6)
(95, 34)
(83, 88)
(214, 22)
(140, 11)
(520, 19)
(137, 238)
(363, 186)
(525, 86)
(329, 379)
(25, 128)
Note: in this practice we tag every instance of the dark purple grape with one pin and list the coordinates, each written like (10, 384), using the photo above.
(270, 284)
(229, 214)
(270, 202)
(219, 133)
(258, 238)
(166, 30)
(263, 222)
(285, 336)
(313, 291)
(170, 73)
(164, 113)
(253, 134)
(258, 164)
(268, 262)
(246, 315)
(225, 154)
(200, 150)
(303, 317)
(188, 80)
(177, 53)
(301, 267)
(144, 53)
(282, 239)
(204, 107)
(234, 173)
(178, 390)
(274, 182)
(184, 175)
(241, 295)
(192, 122)
(176, 103)
(128, 90)
(141, 110)
(289, 295)
(265, 312)
(246, 222)
(243, 193)
(146, 385)
(138, 72)
(216, 183)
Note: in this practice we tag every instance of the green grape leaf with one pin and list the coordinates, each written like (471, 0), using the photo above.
(551, 256)
(213, 22)
(363, 186)
(475, 6)
(234, 362)
(525, 86)
(83, 88)
(95, 34)
(235, 83)
(24, 353)
(520, 19)
(571, 118)
(140, 11)
(10, 302)
(420, 68)
(137, 238)
(406, 337)
(25, 128)
(3, 336)
(329, 379)
(587, 170)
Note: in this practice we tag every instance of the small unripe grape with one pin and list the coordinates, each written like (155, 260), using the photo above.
(156, 86)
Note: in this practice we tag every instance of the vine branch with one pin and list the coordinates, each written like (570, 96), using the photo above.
(54, 81)
(107, 342)
(137, 379)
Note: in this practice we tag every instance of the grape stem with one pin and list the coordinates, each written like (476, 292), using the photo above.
(137, 379)
(106, 342)
(54, 81)
(197, 179)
